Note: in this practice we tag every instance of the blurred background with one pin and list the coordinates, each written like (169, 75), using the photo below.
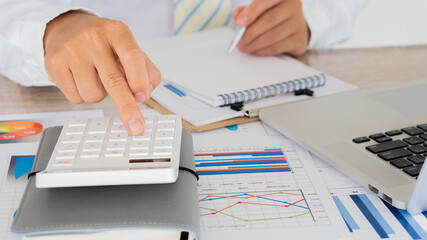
(390, 23)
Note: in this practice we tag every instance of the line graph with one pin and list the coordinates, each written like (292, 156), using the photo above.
(254, 207)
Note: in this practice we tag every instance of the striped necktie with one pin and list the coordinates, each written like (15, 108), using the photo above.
(196, 15)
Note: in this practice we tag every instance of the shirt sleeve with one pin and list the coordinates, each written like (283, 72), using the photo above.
(331, 21)
(22, 27)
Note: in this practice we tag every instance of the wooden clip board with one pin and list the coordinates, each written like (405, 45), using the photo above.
(238, 120)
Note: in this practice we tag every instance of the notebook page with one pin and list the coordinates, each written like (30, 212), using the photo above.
(202, 66)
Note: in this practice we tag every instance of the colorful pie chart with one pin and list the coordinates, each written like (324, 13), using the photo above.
(19, 129)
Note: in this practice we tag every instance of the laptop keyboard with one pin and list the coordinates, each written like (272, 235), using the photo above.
(405, 149)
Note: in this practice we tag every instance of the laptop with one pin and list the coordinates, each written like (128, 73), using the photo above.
(376, 136)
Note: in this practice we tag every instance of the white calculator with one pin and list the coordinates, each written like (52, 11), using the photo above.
(99, 151)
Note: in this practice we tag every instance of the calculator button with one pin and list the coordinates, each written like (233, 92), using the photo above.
(89, 154)
(148, 127)
(95, 138)
(148, 119)
(163, 144)
(77, 130)
(143, 136)
(138, 152)
(72, 139)
(62, 164)
(166, 119)
(117, 121)
(165, 127)
(66, 155)
(94, 146)
(140, 145)
(116, 146)
(118, 128)
(69, 147)
(162, 152)
(114, 153)
(77, 122)
(98, 125)
(118, 137)
(165, 135)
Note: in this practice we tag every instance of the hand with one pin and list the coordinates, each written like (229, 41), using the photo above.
(273, 27)
(88, 57)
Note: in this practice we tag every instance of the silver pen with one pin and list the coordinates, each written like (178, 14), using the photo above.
(236, 39)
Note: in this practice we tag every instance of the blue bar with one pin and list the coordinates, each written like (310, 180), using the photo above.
(375, 224)
(238, 163)
(403, 221)
(244, 171)
(229, 159)
(376, 214)
(275, 165)
(250, 154)
(175, 90)
(351, 224)
(415, 225)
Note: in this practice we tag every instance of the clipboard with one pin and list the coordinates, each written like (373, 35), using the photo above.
(238, 120)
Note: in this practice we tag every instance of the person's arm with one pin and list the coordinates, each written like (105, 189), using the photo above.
(84, 55)
(331, 21)
(22, 27)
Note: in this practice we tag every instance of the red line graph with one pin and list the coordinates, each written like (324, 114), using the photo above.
(262, 204)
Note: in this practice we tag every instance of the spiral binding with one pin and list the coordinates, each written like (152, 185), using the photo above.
(274, 89)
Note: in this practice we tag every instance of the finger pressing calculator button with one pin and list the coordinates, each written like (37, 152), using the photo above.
(94, 146)
(95, 138)
(165, 127)
(140, 145)
(163, 144)
(69, 147)
(114, 153)
(72, 139)
(98, 125)
(138, 153)
(165, 135)
(116, 146)
(66, 155)
(89, 154)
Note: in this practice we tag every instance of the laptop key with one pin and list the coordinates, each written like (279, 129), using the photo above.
(413, 171)
(377, 135)
(412, 131)
(423, 127)
(417, 159)
(413, 140)
(424, 137)
(386, 146)
(361, 139)
(393, 133)
(395, 154)
(401, 163)
(383, 139)
(418, 149)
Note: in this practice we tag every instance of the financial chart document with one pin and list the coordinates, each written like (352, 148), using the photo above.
(262, 187)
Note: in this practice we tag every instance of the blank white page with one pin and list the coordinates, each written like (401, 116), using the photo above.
(200, 63)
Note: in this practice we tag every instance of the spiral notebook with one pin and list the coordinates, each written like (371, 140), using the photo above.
(199, 65)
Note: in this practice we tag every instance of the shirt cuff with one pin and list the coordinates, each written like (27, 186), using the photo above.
(316, 21)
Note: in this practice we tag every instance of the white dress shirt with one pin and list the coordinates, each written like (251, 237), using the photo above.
(23, 22)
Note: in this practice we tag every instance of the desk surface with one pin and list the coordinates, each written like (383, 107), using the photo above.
(366, 68)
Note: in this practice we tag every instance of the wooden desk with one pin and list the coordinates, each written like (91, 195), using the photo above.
(366, 68)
